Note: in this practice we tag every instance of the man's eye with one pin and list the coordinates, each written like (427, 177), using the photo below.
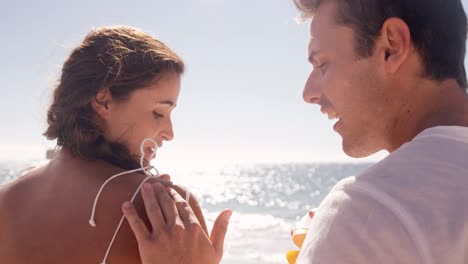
(321, 66)
(157, 115)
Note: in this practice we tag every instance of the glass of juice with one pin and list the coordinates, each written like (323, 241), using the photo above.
(302, 226)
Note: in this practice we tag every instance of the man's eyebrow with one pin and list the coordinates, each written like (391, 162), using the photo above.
(167, 102)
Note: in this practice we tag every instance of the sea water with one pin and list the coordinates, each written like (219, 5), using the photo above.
(267, 199)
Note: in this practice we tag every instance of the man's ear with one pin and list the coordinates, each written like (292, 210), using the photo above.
(394, 43)
(101, 103)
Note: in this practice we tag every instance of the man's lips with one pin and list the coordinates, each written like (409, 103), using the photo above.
(330, 114)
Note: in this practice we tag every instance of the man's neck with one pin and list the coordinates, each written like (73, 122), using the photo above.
(427, 105)
(449, 108)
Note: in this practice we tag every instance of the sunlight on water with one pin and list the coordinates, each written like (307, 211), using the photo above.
(266, 199)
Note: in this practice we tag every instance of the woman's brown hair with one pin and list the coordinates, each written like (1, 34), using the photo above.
(121, 59)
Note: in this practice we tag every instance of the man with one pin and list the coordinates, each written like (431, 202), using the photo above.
(391, 72)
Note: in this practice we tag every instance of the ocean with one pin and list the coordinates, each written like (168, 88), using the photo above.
(267, 200)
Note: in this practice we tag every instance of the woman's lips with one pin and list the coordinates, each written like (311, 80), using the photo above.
(150, 152)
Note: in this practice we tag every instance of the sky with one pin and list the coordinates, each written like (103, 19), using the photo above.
(241, 97)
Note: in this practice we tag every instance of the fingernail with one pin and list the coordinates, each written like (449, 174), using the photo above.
(147, 186)
(164, 181)
(227, 216)
(127, 205)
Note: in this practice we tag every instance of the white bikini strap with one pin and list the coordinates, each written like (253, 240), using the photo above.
(143, 168)
(91, 220)
(121, 221)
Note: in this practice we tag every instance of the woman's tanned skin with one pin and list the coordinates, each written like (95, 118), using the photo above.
(44, 215)
(118, 88)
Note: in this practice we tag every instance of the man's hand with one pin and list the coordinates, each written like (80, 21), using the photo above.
(193, 202)
(176, 236)
(298, 236)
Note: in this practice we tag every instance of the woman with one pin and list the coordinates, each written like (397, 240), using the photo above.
(111, 110)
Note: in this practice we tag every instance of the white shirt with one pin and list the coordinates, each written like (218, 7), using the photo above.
(412, 207)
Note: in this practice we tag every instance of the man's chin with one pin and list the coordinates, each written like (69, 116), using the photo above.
(357, 151)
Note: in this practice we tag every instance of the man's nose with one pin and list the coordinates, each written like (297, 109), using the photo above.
(312, 91)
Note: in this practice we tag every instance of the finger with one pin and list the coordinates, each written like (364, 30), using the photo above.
(166, 204)
(136, 224)
(198, 212)
(183, 208)
(218, 233)
(311, 214)
(162, 181)
(183, 192)
(165, 177)
(194, 205)
(152, 207)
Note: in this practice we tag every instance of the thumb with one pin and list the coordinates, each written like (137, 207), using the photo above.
(219, 230)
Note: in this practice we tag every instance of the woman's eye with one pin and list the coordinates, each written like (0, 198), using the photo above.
(157, 115)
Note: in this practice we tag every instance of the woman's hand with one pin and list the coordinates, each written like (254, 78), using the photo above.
(177, 236)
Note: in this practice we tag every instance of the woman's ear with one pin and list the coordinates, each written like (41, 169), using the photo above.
(100, 103)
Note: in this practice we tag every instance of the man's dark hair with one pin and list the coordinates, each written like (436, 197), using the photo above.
(438, 29)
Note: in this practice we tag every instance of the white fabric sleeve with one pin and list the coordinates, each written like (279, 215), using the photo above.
(353, 227)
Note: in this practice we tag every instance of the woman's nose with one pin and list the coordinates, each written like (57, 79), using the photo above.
(168, 132)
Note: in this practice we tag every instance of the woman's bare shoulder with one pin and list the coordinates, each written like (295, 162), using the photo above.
(13, 196)
(67, 191)
(11, 190)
